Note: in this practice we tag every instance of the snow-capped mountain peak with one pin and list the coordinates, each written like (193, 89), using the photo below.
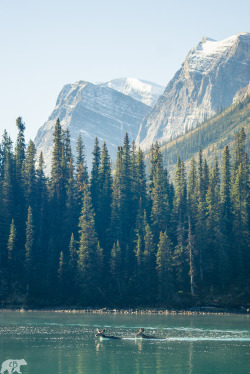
(104, 110)
(208, 52)
(208, 79)
(141, 90)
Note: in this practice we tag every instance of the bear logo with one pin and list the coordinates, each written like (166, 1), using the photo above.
(12, 366)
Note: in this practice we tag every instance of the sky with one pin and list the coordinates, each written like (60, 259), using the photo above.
(48, 43)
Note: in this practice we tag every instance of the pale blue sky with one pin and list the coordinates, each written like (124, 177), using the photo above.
(46, 44)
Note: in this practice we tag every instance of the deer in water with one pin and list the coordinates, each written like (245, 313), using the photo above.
(101, 334)
(141, 334)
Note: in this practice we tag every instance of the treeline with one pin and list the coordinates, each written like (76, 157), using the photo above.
(121, 239)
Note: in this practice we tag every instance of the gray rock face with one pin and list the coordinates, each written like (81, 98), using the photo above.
(242, 94)
(92, 111)
(209, 78)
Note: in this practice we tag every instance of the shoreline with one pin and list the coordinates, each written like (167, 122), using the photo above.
(133, 311)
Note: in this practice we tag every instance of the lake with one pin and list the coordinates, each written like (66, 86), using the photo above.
(65, 343)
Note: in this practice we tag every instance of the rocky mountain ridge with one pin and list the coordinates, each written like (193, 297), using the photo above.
(208, 79)
(97, 110)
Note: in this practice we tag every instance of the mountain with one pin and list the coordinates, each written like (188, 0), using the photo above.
(96, 110)
(212, 136)
(208, 79)
(242, 94)
(144, 91)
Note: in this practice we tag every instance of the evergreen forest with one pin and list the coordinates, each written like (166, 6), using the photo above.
(121, 238)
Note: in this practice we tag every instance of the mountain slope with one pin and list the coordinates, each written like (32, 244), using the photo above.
(94, 111)
(209, 78)
(212, 136)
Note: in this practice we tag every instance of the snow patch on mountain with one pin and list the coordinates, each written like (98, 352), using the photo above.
(141, 90)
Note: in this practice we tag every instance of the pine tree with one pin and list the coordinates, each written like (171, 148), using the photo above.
(67, 151)
(29, 247)
(12, 241)
(12, 254)
(62, 277)
(239, 149)
(216, 258)
(159, 197)
(180, 202)
(58, 195)
(116, 271)
(149, 263)
(191, 258)
(19, 200)
(226, 205)
(88, 243)
(164, 267)
(8, 198)
(29, 174)
(128, 211)
(141, 181)
(95, 179)
(81, 173)
(71, 204)
(41, 217)
(20, 150)
(115, 230)
(103, 216)
(200, 222)
(192, 190)
(57, 185)
(240, 207)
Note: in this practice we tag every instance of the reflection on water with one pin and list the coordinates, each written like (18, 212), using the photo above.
(66, 344)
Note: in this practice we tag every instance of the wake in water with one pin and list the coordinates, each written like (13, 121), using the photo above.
(204, 335)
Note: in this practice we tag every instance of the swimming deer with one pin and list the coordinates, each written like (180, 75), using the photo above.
(141, 334)
(101, 335)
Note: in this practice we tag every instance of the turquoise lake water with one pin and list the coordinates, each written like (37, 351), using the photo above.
(65, 343)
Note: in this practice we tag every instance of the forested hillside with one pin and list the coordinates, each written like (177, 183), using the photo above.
(120, 239)
(212, 136)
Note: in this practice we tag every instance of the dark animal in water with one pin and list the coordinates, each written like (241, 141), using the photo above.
(101, 335)
(141, 334)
